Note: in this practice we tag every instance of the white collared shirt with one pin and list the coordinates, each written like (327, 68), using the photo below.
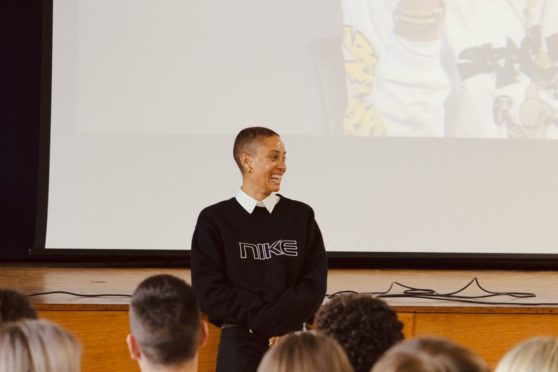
(249, 203)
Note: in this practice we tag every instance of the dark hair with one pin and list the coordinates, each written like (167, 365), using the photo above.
(15, 306)
(430, 354)
(244, 141)
(305, 352)
(364, 326)
(165, 320)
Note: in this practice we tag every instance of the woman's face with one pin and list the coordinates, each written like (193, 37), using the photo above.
(268, 166)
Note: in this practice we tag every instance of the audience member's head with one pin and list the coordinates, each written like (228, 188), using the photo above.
(15, 306)
(38, 346)
(536, 354)
(364, 326)
(429, 354)
(305, 352)
(165, 325)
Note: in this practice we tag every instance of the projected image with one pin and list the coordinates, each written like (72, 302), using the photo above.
(385, 107)
(459, 68)
(199, 69)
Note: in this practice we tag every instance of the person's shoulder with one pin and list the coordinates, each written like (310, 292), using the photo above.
(295, 204)
(219, 207)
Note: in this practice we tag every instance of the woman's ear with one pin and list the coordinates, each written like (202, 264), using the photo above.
(246, 161)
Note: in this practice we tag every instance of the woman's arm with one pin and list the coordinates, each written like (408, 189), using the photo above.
(222, 302)
(298, 303)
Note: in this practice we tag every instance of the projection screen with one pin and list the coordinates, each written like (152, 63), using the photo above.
(410, 126)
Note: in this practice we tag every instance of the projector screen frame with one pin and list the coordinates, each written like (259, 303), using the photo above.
(336, 260)
(44, 125)
(133, 257)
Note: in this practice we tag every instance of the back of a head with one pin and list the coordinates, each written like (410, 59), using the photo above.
(536, 354)
(429, 354)
(364, 326)
(15, 306)
(38, 346)
(305, 352)
(165, 320)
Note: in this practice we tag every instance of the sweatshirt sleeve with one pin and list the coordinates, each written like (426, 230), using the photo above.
(298, 303)
(222, 302)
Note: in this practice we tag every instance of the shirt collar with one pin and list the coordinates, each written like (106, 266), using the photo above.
(249, 203)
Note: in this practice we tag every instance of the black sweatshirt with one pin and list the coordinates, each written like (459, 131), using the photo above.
(264, 271)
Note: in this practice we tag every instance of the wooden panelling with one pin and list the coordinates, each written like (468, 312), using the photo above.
(490, 335)
(208, 354)
(408, 320)
(102, 323)
(102, 335)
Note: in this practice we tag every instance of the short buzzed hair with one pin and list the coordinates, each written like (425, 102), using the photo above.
(15, 306)
(245, 140)
(165, 320)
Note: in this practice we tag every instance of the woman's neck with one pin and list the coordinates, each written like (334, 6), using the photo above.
(255, 192)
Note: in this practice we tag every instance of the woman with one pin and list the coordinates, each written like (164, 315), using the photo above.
(429, 354)
(38, 346)
(306, 352)
(536, 354)
(259, 266)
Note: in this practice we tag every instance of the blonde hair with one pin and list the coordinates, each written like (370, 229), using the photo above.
(38, 346)
(306, 352)
(429, 354)
(536, 354)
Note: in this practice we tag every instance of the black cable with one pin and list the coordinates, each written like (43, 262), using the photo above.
(409, 292)
(473, 302)
(476, 281)
(430, 294)
(79, 294)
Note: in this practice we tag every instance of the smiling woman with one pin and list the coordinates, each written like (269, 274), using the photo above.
(263, 167)
(259, 267)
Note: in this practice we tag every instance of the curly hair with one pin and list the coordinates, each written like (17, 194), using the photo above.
(364, 326)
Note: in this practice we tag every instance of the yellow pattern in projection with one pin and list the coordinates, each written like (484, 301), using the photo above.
(361, 118)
